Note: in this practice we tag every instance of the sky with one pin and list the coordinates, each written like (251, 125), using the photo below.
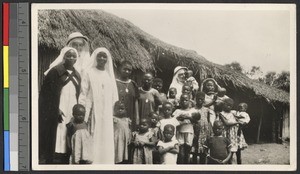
(250, 37)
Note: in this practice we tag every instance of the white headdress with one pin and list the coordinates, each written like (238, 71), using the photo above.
(60, 59)
(84, 60)
(176, 82)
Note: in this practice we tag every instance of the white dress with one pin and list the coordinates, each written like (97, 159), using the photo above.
(67, 101)
(99, 95)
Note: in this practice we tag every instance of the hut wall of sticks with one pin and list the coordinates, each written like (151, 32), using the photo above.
(268, 106)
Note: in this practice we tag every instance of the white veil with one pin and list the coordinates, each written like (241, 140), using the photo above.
(60, 59)
(176, 83)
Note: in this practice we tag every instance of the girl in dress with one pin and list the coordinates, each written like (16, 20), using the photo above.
(59, 93)
(79, 139)
(122, 133)
(128, 92)
(143, 142)
(210, 87)
(202, 128)
(149, 98)
(231, 127)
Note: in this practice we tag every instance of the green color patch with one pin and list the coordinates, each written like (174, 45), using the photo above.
(6, 108)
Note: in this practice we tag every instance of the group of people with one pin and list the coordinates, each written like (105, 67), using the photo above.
(89, 116)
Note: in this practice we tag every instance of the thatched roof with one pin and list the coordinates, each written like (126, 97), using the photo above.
(126, 41)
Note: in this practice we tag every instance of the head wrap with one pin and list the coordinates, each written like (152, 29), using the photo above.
(84, 60)
(176, 82)
(60, 59)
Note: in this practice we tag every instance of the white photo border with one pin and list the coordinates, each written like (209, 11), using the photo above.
(265, 7)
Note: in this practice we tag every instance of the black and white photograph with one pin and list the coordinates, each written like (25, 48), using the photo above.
(163, 86)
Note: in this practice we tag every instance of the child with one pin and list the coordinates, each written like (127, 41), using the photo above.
(128, 92)
(202, 128)
(210, 87)
(78, 137)
(172, 97)
(221, 95)
(167, 110)
(186, 89)
(218, 146)
(231, 128)
(143, 143)
(191, 80)
(185, 130)
(149, 98)
(158, 84)
(242, 116)
(168, 148)
(155, 130)
(122, 133)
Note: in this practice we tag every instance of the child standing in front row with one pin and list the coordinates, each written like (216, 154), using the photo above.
(78, 137)
(231, 127)
(202, 128)
(168, 148)
(218, 146)
(122, 133)
(185, 130)
(143, 143)
(167, 109)
(156, 133)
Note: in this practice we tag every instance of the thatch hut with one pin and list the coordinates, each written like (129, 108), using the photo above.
(268, 106)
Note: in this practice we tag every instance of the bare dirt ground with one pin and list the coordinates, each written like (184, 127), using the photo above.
(266, 154)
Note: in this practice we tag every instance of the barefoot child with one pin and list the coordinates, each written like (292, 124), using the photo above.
(153, 117)
(168, 148)
(122, 133)
(167, 110)
(231, 127)
(143, 144)
(78, 137)
(202, 128)
(218, 146)
(185, 129)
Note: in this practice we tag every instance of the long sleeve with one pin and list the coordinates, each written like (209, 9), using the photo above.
(85, 97)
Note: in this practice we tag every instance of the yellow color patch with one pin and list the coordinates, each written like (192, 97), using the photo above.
(5, 67)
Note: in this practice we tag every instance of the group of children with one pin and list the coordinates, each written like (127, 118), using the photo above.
(150, 127)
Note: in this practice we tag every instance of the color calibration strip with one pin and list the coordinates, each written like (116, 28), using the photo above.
(6, 85)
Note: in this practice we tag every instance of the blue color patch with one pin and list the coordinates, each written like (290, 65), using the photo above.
(6, 151)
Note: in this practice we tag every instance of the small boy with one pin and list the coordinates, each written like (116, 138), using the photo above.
(78, 137)
(172, 97)
(168, 148)
(153, 119)
(191, 80)
(218, 146)
(158, 85)
(186, 89)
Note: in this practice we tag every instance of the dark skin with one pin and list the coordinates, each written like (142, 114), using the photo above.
(172, 93)
(168, 134)
(186, 89)
(185, 104)
(147, 81)
(218, 129)
(125, 72)
(70, 59)
(167, 110)
(227, 108)
(79, 114)
(120, 110)
(144, 126)
(153, 120)
(101, 60)
(158, 86)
